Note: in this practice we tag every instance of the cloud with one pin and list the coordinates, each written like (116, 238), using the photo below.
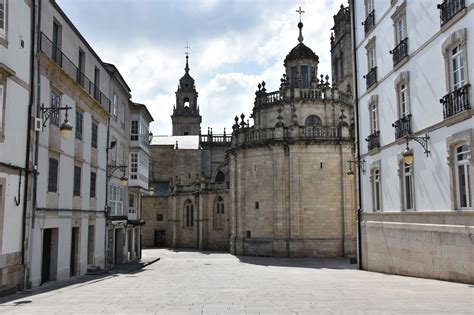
(234, 46)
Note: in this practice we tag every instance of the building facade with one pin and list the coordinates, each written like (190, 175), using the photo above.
(15, 88)
(289, 192)
(414, 61)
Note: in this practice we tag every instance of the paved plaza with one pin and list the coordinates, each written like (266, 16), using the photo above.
(214, 283)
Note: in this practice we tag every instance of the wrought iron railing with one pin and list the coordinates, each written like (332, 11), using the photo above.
(449, 8)
(48, 48)
(456, 102)
(402, 126)
(371, 77)
(369, 22)
(400, 52)
(373, 140)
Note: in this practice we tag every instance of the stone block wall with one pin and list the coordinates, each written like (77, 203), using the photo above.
(438, 245)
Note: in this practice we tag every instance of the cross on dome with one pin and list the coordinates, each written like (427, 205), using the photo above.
(300, 12)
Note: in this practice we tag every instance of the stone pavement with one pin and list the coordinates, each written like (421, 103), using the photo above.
(210, 283)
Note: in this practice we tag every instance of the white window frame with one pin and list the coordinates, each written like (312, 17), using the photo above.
(369, 7)
(116, 200)
(464, 164)
(134, 165)
(457, 67)
(114, 106)
(457, 40)
(407, 175)
(2, 108)
(3, 24)
(374, 118)
(376, 189)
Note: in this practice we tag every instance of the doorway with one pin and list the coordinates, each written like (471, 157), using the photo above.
(159, 238)
(119, 246)
(49, 255)
(74, 261)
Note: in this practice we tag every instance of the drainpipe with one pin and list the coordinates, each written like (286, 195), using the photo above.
(356, 105)
(24, 240)
(106, 206)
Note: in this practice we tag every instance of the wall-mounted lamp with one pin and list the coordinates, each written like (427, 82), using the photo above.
(66, 126)
(357, 163)
(408, 153)
(123, 178)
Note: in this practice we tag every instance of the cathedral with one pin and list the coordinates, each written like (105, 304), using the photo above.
(278, 187)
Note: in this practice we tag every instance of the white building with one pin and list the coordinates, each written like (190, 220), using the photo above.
(15, 86)
(139, 160)
(413, 67)
(68, 225)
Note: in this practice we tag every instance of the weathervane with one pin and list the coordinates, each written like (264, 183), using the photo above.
(187, 49)
(300, 12)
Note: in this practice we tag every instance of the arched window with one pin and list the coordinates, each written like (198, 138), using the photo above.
(220, 177)
(186, 102)
(188, 214)
(219, 217)
(312, 120)
(463, 177)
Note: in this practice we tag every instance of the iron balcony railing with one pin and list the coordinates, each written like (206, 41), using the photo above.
(369, 22)
(373, 140)
(371, 77)
(400, 52)
(456, 102)
(449, 8)
(48, 48)
(402, 126)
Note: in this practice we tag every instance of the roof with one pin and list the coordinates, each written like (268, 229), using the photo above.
(111, 68)
(301, 51)
(184, 142)
(143, 108)
(160, 188)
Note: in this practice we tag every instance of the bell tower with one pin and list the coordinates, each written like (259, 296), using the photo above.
(186, 118)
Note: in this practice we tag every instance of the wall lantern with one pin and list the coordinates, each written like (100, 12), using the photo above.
(357, 163)
(123, 178)
(66, 127)
(408, 153)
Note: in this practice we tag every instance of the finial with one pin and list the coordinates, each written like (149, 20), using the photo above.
(300, 25)
(187, 57)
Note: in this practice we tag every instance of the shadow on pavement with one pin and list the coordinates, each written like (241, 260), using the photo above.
(315, 263)
(125, 269)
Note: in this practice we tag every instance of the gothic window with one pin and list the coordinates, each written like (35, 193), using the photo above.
(304, 77)
(219, 217)
(188, 214)
(220, 177)
(312, 120)
(463, 177)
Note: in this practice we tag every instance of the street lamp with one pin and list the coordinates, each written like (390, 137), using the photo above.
(66, 127)
(123, 178)
(358, 163)
(408, 154)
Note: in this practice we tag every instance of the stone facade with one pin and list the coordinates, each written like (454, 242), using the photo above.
(341, 51)
(289, 192)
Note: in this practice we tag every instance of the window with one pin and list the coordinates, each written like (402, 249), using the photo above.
(55, 102)
(257, 205)
(159, 217)
(2, 90)
(463, 177)
(56, 49)
(374, 118)
(96, 83)
(122, 115)
(189, 213)
(369, 7)
(312, 120)
(53, 175)
(403, 100)
(79, 123)
(457, 67)
(294, 74)
(408, 189)
(2, 18)
(376, 190)
(77, 181)
(220, 177)
(131, 200)
(116, 200)
(94, 135)
(304, 77)
(81, 67)
(134, 166)
(134, 130)
(114, 106)
(93, 183)
(219, 217)
(371, 58)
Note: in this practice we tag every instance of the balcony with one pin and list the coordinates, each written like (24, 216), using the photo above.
(369, 22)
(55, 54)
(456, 102)
(449, 8)
(373, 140)
(402, 126)
(371, 77)
(400, 52)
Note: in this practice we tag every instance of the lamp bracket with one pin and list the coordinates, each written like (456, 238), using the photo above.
(47, 112)
(113, 168)
(423, 141)
(359, 163)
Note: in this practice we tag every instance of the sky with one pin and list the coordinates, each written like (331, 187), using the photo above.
(234, 45)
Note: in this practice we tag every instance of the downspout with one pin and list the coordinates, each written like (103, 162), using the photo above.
(106, 206)
(24, 242)
(356, 105)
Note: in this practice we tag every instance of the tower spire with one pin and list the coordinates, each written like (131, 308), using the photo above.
(187, 57)
(300, 25)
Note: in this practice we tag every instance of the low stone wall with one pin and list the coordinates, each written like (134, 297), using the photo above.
(11, 270)
(438, 245)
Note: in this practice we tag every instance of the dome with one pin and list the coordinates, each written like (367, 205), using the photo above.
(186, 82)
(301, 51)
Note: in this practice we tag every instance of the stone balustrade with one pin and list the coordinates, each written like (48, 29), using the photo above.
(312, 94)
